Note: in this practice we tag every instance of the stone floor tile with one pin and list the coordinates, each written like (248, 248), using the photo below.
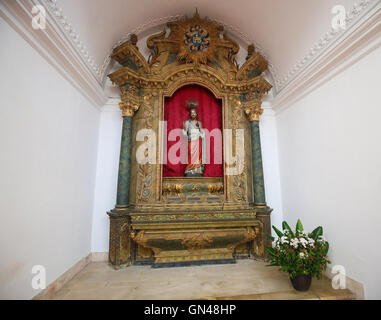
(247, 280)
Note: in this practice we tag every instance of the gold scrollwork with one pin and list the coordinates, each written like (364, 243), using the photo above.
(145, 182)
(236, 114)
(148, 110)
(249, 235)
(215, 188)
(141, 239)
(197, 241)
(240, 187)
(172, 188)
(259, 248)
(144, 173)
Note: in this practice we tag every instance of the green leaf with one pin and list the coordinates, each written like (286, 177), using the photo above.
(278, 232)
(285, 226)
(325, 251)
(274, 264)
(269, 237)
(271, 250)
(299, 226)
(317, 232)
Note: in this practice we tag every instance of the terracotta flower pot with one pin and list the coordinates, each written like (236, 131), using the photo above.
(301, 282)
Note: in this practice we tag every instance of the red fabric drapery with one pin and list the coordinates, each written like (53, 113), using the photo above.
(209, 114)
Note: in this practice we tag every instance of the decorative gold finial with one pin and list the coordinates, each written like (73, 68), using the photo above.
(133, 39)
(250, 51)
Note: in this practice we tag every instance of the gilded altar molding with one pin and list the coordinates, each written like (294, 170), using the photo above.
(165, 215)
(203, 73)
(197, 241)
(194, 245)
(237, 113)
(192, 187)
(144, 175)
(148, 108)
(144, 182)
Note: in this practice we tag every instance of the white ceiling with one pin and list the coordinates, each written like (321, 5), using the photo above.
(284, 30)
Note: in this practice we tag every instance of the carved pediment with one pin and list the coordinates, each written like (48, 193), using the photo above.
(255, 87)
(128, 55)
(253, 67)
(194, 41)
(194, 51)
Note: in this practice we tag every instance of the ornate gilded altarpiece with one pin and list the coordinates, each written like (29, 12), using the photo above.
(177, 221)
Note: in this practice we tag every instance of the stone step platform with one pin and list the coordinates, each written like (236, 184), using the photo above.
(244, 280)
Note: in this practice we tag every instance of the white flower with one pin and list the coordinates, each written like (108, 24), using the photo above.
(303, 255)
(294, 242)
(321, 239)
(303, 242)
(311, 242)
(283, 240)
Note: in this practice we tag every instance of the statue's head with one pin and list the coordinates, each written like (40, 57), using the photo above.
(193, 115)
(192, 105)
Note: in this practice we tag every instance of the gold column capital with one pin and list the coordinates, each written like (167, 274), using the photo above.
(253, 110)
(128, 108)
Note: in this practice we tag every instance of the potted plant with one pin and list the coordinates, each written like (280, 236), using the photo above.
(303, 255)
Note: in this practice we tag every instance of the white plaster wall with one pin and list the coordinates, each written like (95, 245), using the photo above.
(270, 159)
(110, 135)
(48, 143)
(108, 162)
(330, 165)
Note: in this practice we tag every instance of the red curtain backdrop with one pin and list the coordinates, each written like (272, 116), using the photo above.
(209, 114)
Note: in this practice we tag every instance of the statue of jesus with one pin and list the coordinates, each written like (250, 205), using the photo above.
(192, 128)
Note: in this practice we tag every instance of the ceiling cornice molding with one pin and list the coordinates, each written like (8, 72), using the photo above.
(332, 36)
(53, 44)
(74, 38)
(357, 41)
(354, 16)
(61, 46)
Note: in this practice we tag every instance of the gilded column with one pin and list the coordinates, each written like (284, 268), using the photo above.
(253, 111)
(123, 192)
